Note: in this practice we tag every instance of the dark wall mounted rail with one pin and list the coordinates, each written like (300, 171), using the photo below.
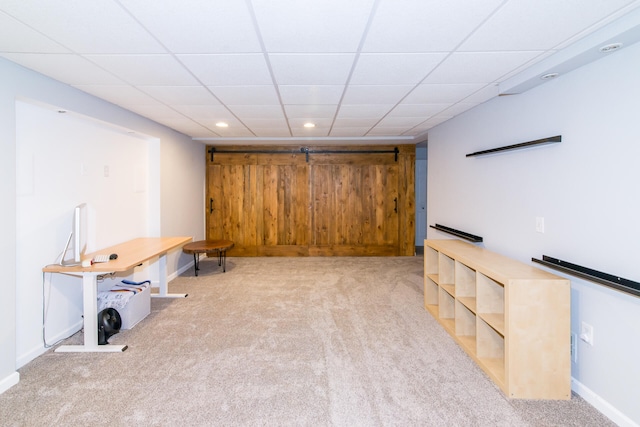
(462, 234)
(306, 150)
(551, 140)
(610, 280)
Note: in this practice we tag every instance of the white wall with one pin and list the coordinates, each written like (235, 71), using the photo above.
(175, 190)
(585, 187)
(62, 161)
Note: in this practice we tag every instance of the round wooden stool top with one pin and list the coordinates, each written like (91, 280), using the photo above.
(207, 246)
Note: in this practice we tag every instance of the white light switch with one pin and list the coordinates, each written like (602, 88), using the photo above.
(540, 224)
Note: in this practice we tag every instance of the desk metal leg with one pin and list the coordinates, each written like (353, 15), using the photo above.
(163, 286)
(90, 308)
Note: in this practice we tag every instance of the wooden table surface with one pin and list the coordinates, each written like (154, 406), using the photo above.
(204, 246)
(130, 254)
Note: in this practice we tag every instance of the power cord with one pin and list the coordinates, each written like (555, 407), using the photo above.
(45, 309)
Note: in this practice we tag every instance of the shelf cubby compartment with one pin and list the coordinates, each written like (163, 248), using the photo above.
(446, 268)
(465, 325)
(430, 262)
(490, 302)
(465, 285)
(446, 310)
(431, 296)
(490, 351)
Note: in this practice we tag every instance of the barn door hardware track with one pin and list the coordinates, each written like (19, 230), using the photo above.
(306, 150)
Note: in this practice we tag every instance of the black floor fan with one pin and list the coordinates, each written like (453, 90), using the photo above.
(109, 323)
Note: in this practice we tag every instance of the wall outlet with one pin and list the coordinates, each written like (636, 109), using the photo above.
(574, 347)
(586, 333)
(540, 224)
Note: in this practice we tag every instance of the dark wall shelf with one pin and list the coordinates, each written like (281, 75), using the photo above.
(551, 140)
(610, 280)
(462, 234)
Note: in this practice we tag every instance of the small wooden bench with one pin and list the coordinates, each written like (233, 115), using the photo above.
(209, 247)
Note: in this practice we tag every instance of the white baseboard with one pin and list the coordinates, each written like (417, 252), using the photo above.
(170, 277)
(602, 405)
(8, 382)
(25, 358)
(181, 270)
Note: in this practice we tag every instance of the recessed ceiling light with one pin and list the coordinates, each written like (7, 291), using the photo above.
(610, 47)
(549, 76)
(309, 125)
(222, 125)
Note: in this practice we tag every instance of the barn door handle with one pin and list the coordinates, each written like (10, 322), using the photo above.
(211, 205)
(396, 202)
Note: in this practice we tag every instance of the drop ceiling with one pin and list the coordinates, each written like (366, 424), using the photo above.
(360, 70)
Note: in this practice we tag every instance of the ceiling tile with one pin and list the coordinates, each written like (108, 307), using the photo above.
(387, 131)
(157, 112)
(369, 94)
(189, 127)
(67, 68)
(363, 111)
(541, 30)
(325, 111)
(145, 69)
(394, 68)
(85, 26)
(355, 123)
(418, 110)
(258, 111)
(311, 69)
(205, 112)
(441, 93)
(246, 95)
(228, 69)
(198, 26)
(272, 133)
(17, 37)
(320, 122)
(458, 108)
(486, 93)
(313, 132)
(312, 26)
(425, 25)
(233, 131)
(311, 94)
(407, 122)
(181, 94)
(478, 67)
(349, 131)
(119, 95)
(279, 123)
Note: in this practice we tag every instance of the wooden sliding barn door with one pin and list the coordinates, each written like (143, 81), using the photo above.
(231, 202)
(281, 201)
(285, 216)
(355, 209)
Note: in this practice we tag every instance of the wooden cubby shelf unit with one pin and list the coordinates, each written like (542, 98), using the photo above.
(512, 319)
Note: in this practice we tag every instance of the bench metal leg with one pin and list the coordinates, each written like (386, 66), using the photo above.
(196, 262)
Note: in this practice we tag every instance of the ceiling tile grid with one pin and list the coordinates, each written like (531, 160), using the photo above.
(362, 70)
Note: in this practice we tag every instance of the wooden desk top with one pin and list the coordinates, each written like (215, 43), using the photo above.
(130, 254)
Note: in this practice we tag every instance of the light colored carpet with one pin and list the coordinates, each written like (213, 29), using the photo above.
(281, 342)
